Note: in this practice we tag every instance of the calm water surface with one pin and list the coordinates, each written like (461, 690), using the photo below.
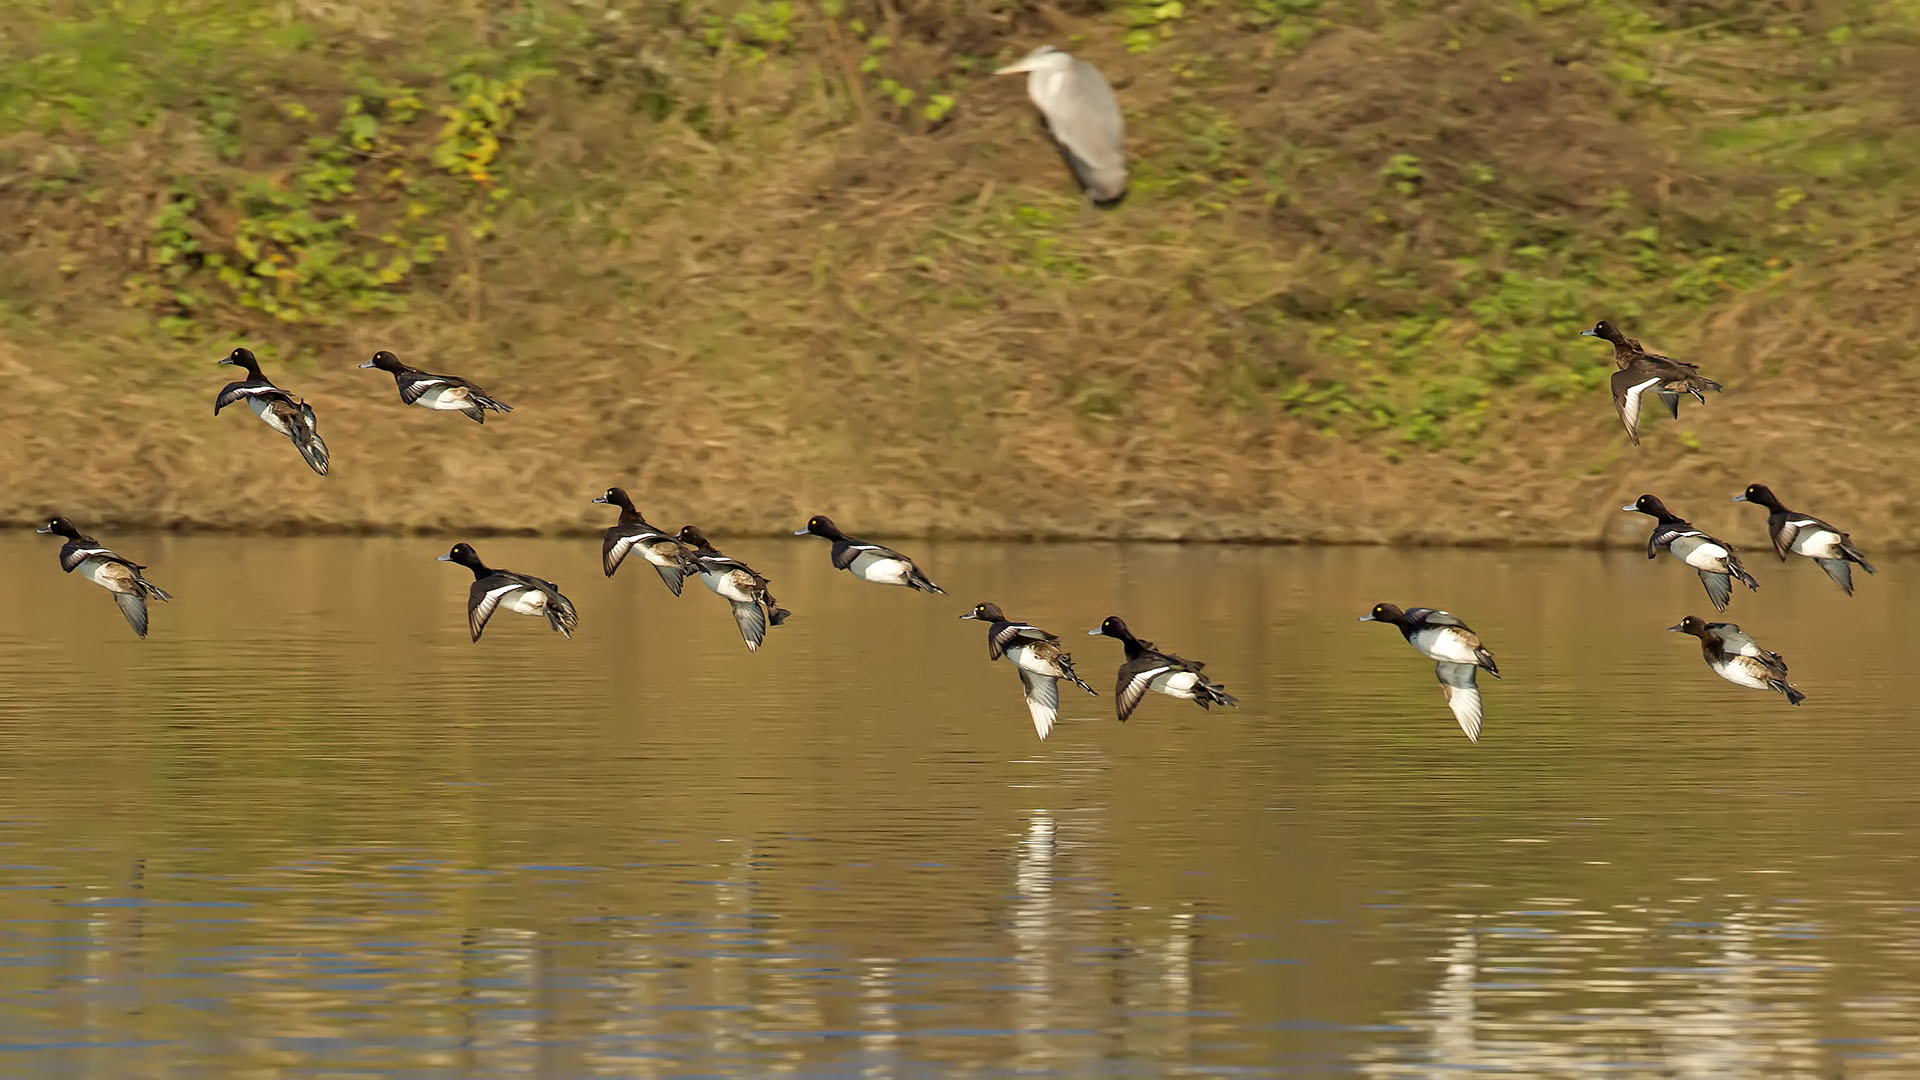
(308, 829)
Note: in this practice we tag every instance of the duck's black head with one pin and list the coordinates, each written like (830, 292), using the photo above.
(385, 361)
(1762, 494)
(1112, 626)
(1606, 331)
(1690, 625)
(1649, 505)
(691, 535)
(242, 358)
(59, 526)
(986, 613)
(1386, 613)
(617, 497)
(821, 525)
(464, 555)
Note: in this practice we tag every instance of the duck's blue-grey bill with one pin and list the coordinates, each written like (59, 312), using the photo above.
(443, 558)
(1368, 617)
(1742, 497)
(367, 364)
(1629, 508)
(1588, 333)
(799, 532)
(1093, 633)
(1682, 626)
(44, 529)
(601, 499)
(969, 615)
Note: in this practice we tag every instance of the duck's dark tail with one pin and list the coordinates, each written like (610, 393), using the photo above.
(1794, 696)
(151, 589)
(1853, 555)
(920, 581)
(1209, 693)
(560, 614)
(1486, 661)
(775, 613)
(1740, 572)
(306, 436)
(478, 404)
(1065, 663)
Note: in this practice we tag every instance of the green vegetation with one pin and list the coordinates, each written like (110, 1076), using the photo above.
(798, 243)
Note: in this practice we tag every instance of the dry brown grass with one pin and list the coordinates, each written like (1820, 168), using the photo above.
(780, 300)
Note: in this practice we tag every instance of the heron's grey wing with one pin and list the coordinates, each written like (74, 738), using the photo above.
(1084, 117)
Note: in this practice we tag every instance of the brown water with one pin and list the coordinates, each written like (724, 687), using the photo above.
(308, 829)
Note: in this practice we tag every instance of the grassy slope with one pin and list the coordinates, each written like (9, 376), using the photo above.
(757, 259)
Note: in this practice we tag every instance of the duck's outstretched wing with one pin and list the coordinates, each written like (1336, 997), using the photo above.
(134, 606)
(1006, 634)
(483, 599)
(1462, 694)
(1784, 535)
(844, 553)
(414, 384)
(620, 541)
(1719, 588)
(752, 620)
(1628, 384)
(73, 554)
(1043, 700)
(1136, 678)
(242, 391)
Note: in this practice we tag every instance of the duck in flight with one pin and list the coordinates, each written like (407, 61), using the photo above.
(867, 561)
(1641, 371)
(1804, 534)
(1736, 658)
(1147, 668)
(1456, 651)
(1037, 658)
(522, 594)
(119, 576)
(633, 533)
(742, 587)
(275, 407)
(1713, 559)
(448, 393)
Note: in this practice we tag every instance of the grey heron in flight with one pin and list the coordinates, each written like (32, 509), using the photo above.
(1083, 117)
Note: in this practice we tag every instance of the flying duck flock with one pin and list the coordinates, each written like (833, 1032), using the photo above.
(1083, 120)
